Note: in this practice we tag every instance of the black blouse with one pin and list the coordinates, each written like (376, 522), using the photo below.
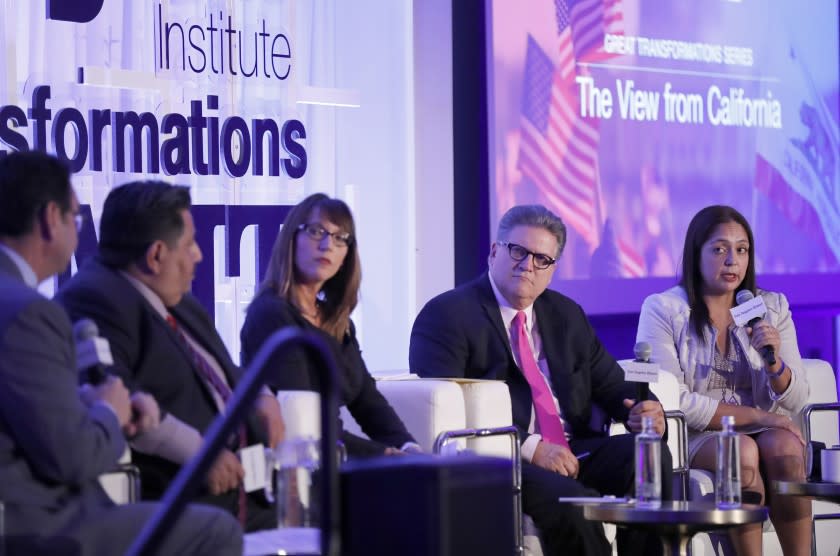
(294, 370)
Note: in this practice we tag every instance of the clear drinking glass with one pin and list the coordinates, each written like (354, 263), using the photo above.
(293, 482)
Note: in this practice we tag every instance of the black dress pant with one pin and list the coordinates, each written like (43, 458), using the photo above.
(259, 514)
(607, 470)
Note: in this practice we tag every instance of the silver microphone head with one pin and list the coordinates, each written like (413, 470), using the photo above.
(642, 351)
(743, 296)
(84, 329)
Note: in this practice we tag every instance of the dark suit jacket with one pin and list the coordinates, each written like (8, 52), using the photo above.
(293, 370)
(460, 333)
(52, 447)
(148, 354)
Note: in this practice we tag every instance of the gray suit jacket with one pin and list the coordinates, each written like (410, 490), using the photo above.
(52, 447)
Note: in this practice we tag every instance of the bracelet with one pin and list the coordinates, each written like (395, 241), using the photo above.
(778, 373)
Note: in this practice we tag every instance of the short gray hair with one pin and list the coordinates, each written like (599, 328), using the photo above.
(535, 216)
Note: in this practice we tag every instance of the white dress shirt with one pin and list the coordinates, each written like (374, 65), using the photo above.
(29, 276)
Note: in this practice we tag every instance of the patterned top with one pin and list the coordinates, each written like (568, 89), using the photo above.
(730, 375)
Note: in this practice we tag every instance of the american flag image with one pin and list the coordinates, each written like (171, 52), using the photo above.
(630, 262)
(559, 147)
(589, 21)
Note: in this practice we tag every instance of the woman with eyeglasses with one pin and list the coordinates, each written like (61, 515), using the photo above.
(725, 369)
(312, 283)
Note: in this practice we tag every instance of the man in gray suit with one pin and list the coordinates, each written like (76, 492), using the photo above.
(55, 440)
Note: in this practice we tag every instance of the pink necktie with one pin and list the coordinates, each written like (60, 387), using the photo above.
(551, 427)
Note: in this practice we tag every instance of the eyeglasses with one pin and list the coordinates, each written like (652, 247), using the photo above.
(77, 214)
(317, 233)
(79, 219)
(519, 253)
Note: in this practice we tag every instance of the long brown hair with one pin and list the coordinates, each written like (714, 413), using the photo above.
(340, 293)
(699, 230)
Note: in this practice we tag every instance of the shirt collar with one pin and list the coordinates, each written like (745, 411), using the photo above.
(508, 312)
(148, 294)
(26, 272)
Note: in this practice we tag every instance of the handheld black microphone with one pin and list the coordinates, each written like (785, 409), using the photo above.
(93, 353)
(767, 352)
(642, 351)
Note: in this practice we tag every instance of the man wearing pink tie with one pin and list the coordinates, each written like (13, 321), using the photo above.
(506, 325)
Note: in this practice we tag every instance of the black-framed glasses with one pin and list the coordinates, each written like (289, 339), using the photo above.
(519, 253)
(317, 233)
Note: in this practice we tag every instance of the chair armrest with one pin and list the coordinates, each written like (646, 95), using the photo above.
(487, 405)
(667, 390)
(122, 490)
(427, 407)
(808, 429)
(812, 408)
(677, 437)
(678, 445)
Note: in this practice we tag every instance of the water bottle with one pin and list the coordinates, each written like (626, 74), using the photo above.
(648, 458)
(728, 478)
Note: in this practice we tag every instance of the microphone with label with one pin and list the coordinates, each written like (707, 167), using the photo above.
(767, 352)
(93, 353)
(642, 351)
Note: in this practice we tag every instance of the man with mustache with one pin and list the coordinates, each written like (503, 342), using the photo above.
(137, 291)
